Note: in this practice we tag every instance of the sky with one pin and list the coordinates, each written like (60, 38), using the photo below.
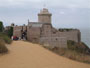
(65, 13)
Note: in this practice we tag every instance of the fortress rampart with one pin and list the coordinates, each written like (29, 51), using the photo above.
(44, 33)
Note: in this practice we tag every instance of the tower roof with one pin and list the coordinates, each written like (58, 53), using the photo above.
(44, 11)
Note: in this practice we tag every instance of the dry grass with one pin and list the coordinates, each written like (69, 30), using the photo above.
(3, 48)
(71, 54)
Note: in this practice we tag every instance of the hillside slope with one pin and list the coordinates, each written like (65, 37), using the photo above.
(28, 55)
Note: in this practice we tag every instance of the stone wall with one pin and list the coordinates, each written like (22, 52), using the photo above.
(54, 41)
(48, 35)
(17, 31)
(46, 30)
(73, 35)
(24, 28)
(53, 37)
(44, 18)
(33, 34)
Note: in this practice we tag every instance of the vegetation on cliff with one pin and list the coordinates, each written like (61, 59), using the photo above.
(3, 48)
(4, 39)
(78, 47)
(1, 26)
(65, 29)
(75, 51)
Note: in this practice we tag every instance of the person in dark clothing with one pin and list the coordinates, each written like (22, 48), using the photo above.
(24, 35)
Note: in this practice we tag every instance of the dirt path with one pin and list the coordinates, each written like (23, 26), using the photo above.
(28, 55)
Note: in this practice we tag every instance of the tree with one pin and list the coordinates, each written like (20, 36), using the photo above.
(10, 32)
(1, 26)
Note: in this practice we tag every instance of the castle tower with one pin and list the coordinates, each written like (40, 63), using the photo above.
(44, 16)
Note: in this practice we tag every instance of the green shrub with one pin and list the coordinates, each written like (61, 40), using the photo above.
(10, 32)
(66, 29)
(1, 26)
(71, 45)
(3, 48)
(5, 38)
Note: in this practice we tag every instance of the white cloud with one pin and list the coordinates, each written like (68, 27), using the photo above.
(70, 3)
(49, 3)
(6, 3)
(62, 12)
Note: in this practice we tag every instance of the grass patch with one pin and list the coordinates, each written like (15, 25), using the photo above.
(75, 51)
(5, 38)
(78, 47)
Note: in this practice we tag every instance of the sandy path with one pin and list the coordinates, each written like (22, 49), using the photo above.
(28, 55)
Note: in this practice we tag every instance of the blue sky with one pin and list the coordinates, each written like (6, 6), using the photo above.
(65, 13)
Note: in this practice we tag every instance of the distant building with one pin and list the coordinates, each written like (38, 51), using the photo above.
(44, 33)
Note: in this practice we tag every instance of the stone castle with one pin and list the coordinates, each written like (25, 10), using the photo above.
(44, 33)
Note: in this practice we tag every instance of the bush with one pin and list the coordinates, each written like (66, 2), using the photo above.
(5, 38)
(71, 54)
(78, 47)
(71, 45)
(10, 32)
(3, 48)
(75, 51)
(1, 26)
(66, 29)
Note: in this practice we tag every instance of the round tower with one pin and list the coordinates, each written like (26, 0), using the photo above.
(44, 16)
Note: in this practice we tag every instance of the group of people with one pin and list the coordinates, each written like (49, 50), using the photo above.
(23, 37)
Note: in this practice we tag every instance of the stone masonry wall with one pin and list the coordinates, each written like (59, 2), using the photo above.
(33, 34)
(54, 41)
(48, 35)
(44, 18)
(24, 28)
(46, 31)
(53, 37)
(17, 31)
(73, 35)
